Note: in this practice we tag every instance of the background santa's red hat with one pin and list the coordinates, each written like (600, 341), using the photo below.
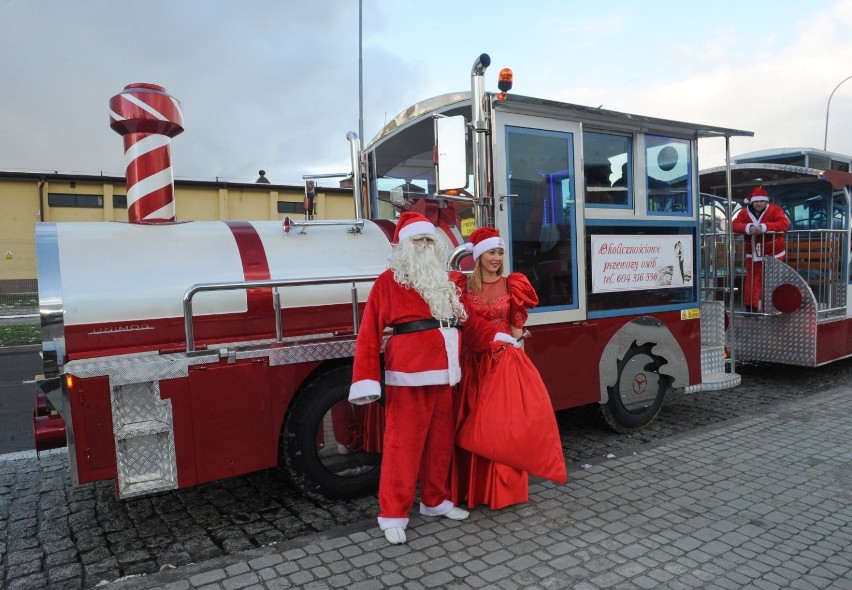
(483, 240)
(412, 224)
(758, 193)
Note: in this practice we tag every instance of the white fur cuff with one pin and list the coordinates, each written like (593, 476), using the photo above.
(364, 392)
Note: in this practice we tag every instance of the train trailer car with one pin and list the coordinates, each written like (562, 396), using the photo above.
(804, 316)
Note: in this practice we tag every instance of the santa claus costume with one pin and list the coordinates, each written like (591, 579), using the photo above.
(421, 366)
(755, 222)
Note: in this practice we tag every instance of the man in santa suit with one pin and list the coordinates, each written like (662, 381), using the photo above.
(416, 299)
(755, 220)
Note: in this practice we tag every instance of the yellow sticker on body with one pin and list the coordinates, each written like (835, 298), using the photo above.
(467, 226)
(690, 314)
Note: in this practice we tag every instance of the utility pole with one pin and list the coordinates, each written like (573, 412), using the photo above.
(360, 73)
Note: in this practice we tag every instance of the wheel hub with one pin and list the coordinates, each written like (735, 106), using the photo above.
(640, 390)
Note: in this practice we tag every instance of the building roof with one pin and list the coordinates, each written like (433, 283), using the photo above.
(179, 182)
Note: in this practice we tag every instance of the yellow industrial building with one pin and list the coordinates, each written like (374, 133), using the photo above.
(29, 198)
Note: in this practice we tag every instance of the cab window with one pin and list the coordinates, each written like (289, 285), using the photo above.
(668, 169)
(607, 169)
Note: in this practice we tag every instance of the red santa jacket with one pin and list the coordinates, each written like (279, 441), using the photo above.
(427, 357)
(772, 219)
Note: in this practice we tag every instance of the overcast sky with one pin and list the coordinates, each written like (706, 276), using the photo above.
(273, 84)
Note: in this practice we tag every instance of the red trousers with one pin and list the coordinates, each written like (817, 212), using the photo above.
(753, 283)
(418, 446)
(753, 286)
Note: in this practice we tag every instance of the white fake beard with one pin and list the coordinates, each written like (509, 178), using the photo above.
(423, 268)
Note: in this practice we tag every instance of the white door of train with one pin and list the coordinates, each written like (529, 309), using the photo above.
(538, 209)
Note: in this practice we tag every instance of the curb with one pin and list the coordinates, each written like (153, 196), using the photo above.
(21, 348)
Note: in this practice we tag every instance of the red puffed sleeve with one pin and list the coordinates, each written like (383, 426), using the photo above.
(522, 297)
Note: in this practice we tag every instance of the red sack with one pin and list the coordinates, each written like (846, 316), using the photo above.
(513, 421)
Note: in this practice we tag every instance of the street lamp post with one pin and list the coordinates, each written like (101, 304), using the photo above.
(360, 73)
(827, 107)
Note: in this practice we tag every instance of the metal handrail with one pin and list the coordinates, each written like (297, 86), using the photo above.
(831, 241)
(829, 290)
(357, 225)
(274, 284)
(329, 175)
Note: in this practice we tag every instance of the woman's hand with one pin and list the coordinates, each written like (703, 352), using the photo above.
(507, 338)
(519, 334)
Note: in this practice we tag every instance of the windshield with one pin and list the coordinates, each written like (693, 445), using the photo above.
(402, 168)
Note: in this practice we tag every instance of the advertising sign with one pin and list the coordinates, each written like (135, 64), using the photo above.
(633, 263)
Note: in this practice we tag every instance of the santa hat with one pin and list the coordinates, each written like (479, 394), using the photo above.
(412, 224)
(758, 193)
(483, 240)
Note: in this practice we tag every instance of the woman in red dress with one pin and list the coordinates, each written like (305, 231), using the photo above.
(503, 302)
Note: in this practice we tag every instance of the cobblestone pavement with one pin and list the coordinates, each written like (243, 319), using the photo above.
(758, 502)
(55, 536)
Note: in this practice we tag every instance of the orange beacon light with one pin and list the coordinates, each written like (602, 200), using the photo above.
(504, 82)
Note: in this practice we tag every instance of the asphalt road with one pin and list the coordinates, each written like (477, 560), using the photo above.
(56, 536)
(17, 398)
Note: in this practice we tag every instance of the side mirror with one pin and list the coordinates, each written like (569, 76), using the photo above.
(451, 153)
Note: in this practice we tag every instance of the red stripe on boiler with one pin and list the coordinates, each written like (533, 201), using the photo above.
(255, 265)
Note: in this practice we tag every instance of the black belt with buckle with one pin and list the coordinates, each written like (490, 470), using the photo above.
(430, 324)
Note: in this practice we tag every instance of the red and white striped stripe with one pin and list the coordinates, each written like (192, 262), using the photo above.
(147, 117)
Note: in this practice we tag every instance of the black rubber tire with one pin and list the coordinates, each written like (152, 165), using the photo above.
(299, 456)
(637, 365)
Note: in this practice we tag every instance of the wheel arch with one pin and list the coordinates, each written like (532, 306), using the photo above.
(317, 473)
(318, 372)
(637, 332)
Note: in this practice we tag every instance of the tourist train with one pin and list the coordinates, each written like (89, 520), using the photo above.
(202, 350)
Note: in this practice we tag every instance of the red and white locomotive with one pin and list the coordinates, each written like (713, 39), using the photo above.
(202, 350)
